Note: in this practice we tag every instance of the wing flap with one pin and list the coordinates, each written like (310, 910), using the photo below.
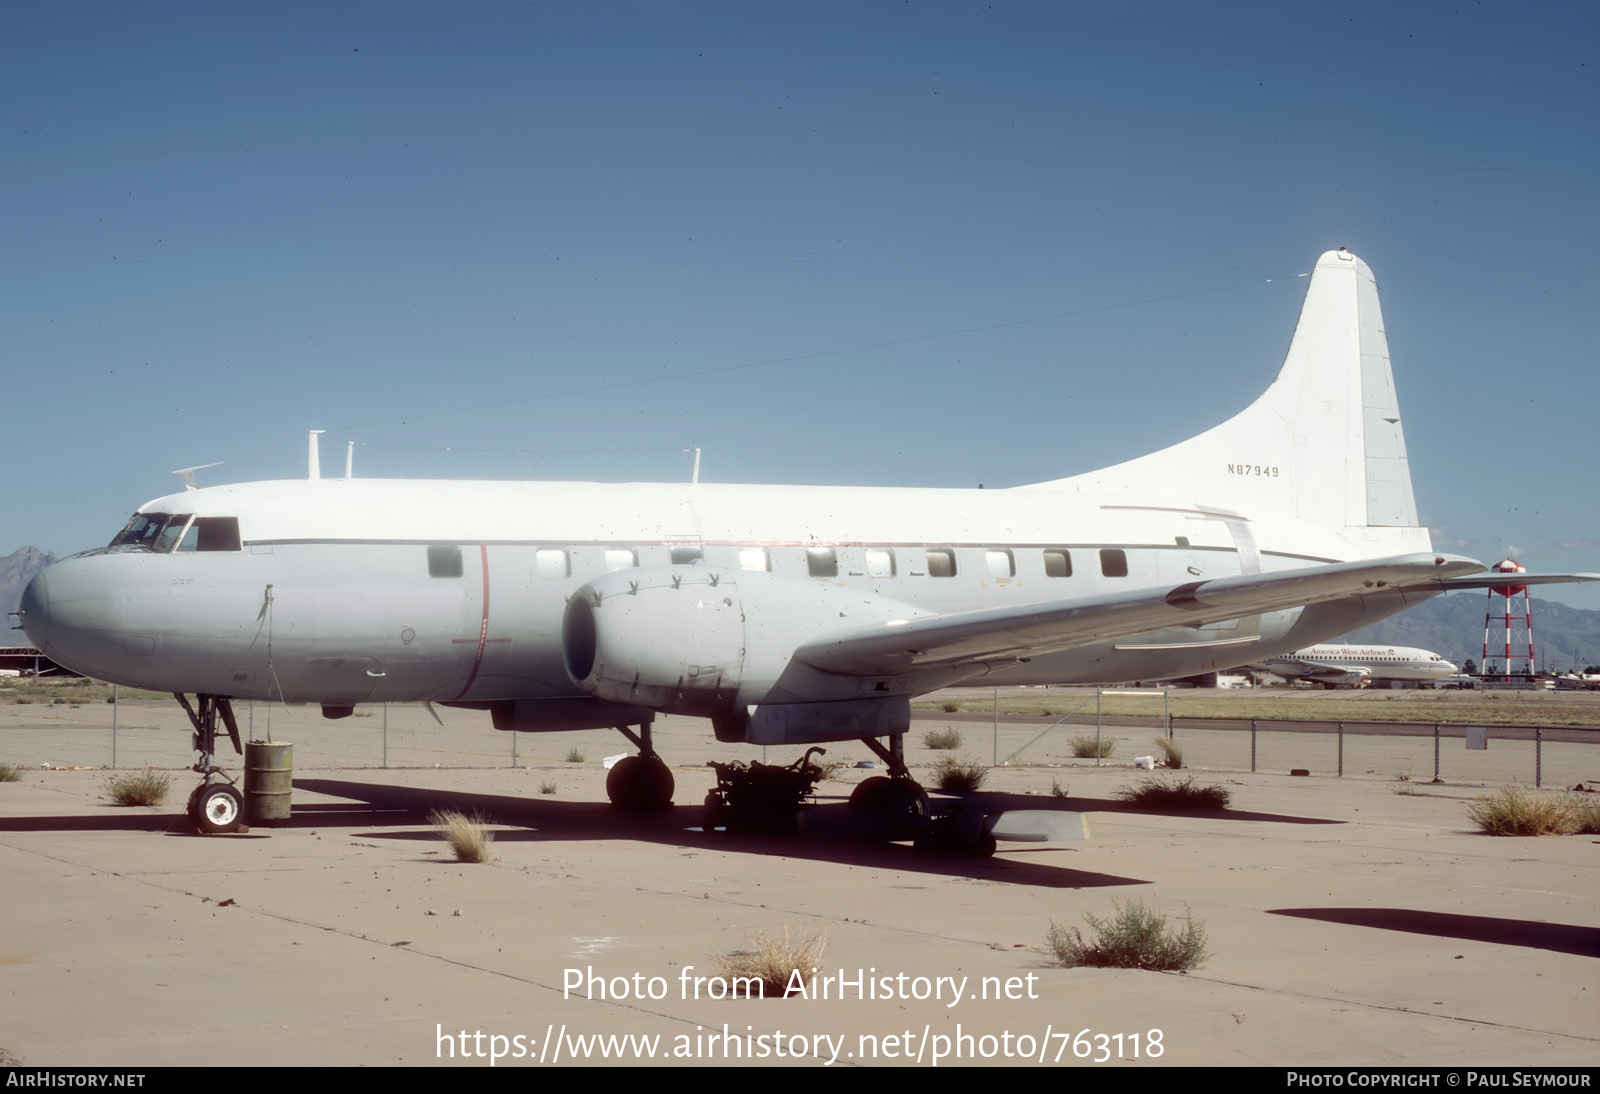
(1015, 633)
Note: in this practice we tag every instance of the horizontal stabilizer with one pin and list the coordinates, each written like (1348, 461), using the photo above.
(1040, 826)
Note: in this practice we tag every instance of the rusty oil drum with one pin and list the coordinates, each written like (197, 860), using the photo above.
(268, 780)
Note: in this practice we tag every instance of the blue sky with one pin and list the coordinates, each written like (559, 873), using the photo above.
(482, 225)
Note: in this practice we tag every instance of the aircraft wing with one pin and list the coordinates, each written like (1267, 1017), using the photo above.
(1495, 580)
(1018, 633)
(1320, 668)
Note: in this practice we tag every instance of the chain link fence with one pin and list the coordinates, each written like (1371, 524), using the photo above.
(156, 733)
(1555, 756)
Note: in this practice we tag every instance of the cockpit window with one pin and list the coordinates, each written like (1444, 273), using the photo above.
(214, 534)
(171, 533)
(168, 532)
(153, 531)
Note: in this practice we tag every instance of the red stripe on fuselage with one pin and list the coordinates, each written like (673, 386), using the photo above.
(483, 625)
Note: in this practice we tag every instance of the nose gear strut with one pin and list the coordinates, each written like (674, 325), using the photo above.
(216, 806)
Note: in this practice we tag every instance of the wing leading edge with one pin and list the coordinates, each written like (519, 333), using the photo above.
(1017, 633)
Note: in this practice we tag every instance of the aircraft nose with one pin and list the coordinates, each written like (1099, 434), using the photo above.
(34, 611)
(72, 613)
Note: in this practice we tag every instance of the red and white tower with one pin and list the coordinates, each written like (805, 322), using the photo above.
(1508, 632)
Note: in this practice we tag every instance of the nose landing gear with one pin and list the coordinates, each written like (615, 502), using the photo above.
(215, 807)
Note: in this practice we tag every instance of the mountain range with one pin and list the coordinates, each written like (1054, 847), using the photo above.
(1452, 627)
(16, 570)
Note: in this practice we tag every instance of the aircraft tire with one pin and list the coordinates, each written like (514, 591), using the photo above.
(640, 784)
(906, 809)
(192, 807)
(872, 793)
(216, 808)
(892, 809)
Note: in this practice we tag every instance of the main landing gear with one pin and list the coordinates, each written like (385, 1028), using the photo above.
(892, 807)
(216, 806)
(642, 783)
(895, 807)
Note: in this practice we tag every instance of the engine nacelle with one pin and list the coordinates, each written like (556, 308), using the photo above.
(706, 641)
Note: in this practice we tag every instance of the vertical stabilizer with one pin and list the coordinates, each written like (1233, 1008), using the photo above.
(1324, 444)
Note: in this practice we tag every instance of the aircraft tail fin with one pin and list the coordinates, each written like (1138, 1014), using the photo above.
(1324, 444)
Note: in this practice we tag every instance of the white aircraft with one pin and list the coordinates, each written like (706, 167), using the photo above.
(784, 614)
(1333, 665)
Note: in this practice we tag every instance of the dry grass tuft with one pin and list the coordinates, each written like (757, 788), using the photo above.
(10, 772)
(774, 962)
(1585, 813)
(1135, 938)
(1084, 747)
(467, 836)
(942, 739)
(1516, 812)
(959, 776)
(146, 787)
(1177, 794)
(1171, 751)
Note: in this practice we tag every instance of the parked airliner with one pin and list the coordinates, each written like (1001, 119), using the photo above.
(1356, 665)
(784, 614)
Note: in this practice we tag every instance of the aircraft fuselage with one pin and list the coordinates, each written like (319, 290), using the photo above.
(344, 591)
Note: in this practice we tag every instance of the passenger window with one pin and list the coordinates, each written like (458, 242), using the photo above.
(551, 562)
(1057, 562)
(822, 562)
(880, 562)
(999, 564)
(683, 556)
(1113, 562)
(444, 560)
(941, 562)
(754, 558)
(621, 558)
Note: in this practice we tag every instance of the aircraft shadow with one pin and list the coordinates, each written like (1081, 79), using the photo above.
(826, 836)
(1557, 937)
(118, 821)
(996, 802)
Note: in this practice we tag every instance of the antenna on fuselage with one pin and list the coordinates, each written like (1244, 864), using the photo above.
(349, 459)
(187, 474)
(313, 456)
(695, 477)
